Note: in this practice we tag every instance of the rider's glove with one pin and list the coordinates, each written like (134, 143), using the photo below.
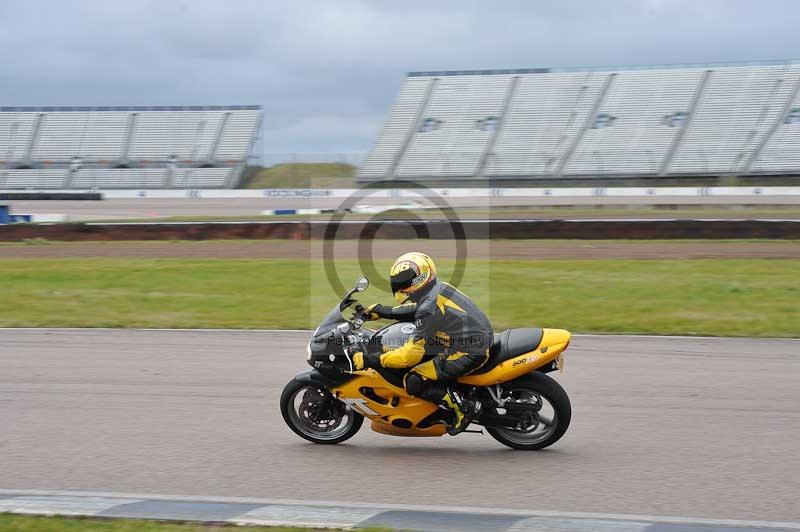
(361, 360)
(374, 312)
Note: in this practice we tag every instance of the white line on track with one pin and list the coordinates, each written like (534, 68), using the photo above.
(420, 508)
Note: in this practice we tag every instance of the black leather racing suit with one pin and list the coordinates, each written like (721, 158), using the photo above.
(452, 338)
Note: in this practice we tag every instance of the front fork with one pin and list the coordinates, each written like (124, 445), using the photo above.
(326, 407)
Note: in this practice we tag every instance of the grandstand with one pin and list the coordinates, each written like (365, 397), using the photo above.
(665, 121)
(125, 147)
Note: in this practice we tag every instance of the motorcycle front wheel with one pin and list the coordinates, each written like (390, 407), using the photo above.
(315, 415)
(553, 412)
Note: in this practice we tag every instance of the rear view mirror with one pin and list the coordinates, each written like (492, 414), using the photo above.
(362, 284)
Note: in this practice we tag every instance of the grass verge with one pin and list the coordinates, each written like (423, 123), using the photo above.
(303, 175)
(742, 297)
(28, 523)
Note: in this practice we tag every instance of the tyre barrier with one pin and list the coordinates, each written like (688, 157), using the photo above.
(470, 229)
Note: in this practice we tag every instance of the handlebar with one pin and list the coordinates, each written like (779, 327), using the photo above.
(358, 317)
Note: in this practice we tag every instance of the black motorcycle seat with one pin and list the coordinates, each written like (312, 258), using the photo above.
(509, 344)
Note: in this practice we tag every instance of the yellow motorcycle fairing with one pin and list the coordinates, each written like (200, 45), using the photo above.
(391, 410)
(554, 342)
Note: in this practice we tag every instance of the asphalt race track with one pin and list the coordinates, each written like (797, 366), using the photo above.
(694, 427)
(158, 208)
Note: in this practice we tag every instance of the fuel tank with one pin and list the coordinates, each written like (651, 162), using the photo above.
(391, 337)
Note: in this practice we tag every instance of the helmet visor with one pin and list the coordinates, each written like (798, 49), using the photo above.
(402, 280)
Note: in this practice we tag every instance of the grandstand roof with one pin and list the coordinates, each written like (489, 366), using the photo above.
(48, 109)
(547, 70)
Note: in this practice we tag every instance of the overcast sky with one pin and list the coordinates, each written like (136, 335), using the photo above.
(326, 72)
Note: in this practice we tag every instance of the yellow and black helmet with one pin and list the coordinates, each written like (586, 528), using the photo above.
(411, 273)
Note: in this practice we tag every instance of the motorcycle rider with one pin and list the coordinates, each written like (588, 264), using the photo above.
(452, 336)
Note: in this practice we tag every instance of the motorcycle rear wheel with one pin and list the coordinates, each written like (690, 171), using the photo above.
(298, 403)
(548, 427)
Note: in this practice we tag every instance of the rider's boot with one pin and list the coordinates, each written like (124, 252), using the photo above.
(455, 403)
(462, 410)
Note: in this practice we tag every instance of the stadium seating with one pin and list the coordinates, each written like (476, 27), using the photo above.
(461, 102)
(739, 119)
(399, 125)
(125, 147)
(546, 116)
(640, 136)
(782, 152)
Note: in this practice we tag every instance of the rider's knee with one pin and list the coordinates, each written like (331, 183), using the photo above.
(414, 384)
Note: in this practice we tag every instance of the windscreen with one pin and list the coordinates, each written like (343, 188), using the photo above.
(333, 318)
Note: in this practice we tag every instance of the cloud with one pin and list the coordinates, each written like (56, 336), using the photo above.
(326, 72)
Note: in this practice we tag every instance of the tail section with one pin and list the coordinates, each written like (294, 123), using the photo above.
(552, 344)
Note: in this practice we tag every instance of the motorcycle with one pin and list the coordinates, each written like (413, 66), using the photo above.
(519, 404)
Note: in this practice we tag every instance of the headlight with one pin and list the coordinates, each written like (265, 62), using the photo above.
(308, 352)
